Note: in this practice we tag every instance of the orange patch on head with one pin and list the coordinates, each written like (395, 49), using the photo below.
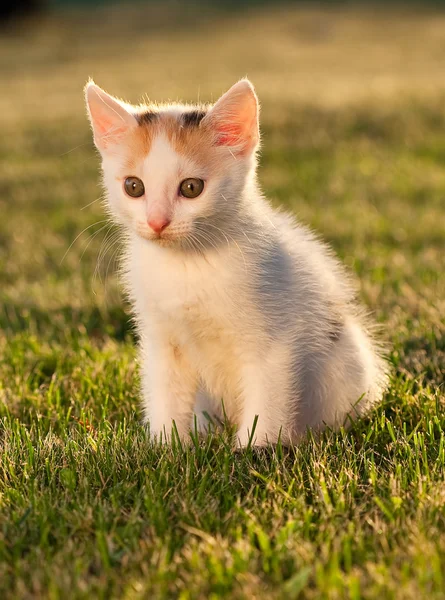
(188, 138)
(185, 137)
(139, 141)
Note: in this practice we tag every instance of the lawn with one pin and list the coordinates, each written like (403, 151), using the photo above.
(354, 144)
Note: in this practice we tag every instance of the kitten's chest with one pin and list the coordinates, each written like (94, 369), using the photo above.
(193, 296)
(183, 303)
(202, 307)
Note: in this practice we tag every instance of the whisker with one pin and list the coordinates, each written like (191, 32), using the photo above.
(190, 244)
(198, 241)
(220, 230)
(105, 252)
(90, 239)
(233, 240)
(76, 148)
(247, 238)
(113, 256)
(78, 236)
(93, 202)
(107, 242)
(198, 245)
(208, 237)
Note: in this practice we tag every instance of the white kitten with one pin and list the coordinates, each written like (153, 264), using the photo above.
(235, 302)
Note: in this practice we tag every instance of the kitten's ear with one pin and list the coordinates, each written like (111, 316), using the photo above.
(234, 118)
(109, 118)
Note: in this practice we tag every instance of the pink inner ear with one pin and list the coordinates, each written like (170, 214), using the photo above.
(234, 118)
(104, 125)
(229, 134)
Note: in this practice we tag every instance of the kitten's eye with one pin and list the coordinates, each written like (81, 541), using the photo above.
(134, 187)
(191, 188)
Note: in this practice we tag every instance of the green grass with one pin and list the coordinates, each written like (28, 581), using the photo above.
(89, 508)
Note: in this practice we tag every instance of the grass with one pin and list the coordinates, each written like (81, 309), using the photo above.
(89, 508)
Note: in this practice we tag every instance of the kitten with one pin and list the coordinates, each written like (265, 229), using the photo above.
(234, 301)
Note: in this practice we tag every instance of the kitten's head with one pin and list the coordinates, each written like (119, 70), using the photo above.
(175, 174)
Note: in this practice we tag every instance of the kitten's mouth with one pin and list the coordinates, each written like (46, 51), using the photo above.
(164, 238)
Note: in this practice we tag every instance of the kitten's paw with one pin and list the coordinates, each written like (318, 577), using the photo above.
(168, 434)
(245, 439)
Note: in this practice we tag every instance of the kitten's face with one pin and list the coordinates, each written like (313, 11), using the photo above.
(174, 174)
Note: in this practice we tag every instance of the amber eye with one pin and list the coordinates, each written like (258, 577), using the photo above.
(191, 188)
(134, 187)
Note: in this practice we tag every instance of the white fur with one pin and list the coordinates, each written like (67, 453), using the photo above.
(256, 313)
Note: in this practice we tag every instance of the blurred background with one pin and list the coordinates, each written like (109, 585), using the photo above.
(353, 125)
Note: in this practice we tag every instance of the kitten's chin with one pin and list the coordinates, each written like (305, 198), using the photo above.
(162, 240)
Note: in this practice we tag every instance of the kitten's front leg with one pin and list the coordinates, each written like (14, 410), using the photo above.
(252, 428)
(255, 425)
(169, 386)
(265, 414)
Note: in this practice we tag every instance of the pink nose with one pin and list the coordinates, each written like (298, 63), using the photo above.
(159, 224)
